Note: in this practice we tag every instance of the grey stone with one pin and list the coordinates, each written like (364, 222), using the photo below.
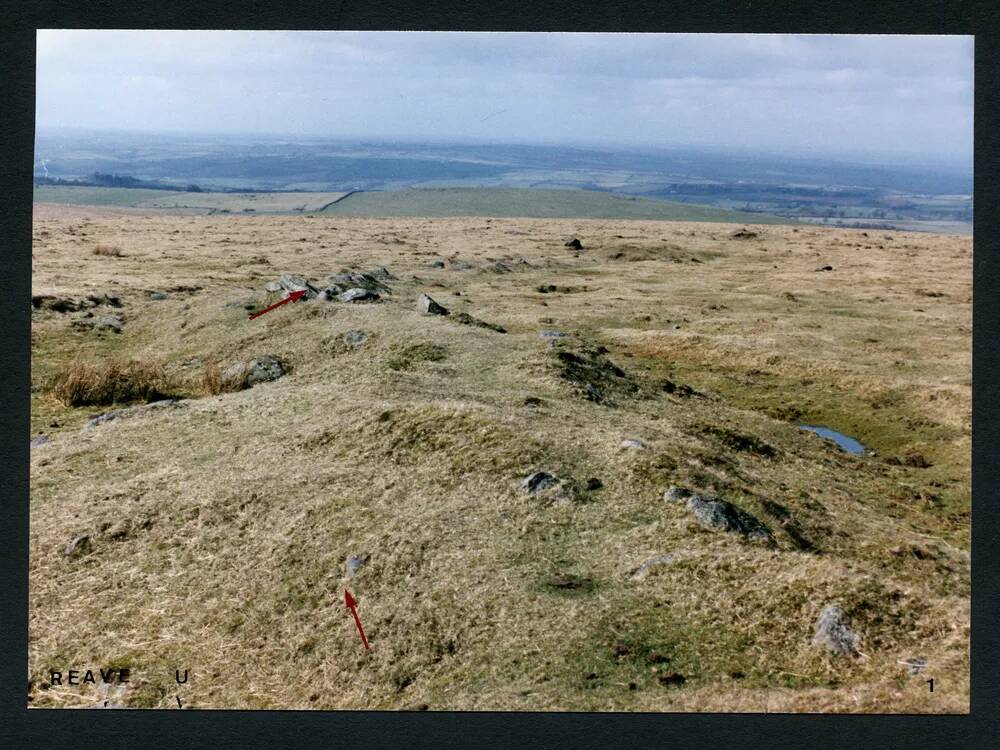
(551, 335)
(677, 495)
(358, 294)
(357, 280)
(538, 481)
(109, 322)
(437, 264)
(355, 337)
(914, 665)
(575, 244)
(382, 274)
(635, 444)
(263, 369)
(718, 514)
(833, 630)
(114, 414)
(354, 563)
(466, 319)
(461, 265)
(715, 513)
(292, 283)
(157, 295)
(427, 305)
(329, 294)
(78, 546)
(654, 562)
(102, 418)
(273, 286)
(39, 440)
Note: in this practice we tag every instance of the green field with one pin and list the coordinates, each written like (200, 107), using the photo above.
(173, 200)
(441, 202)
(533, 203)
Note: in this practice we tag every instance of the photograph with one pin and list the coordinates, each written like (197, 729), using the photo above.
(500, 372)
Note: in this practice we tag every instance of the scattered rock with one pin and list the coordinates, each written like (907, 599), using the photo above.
(825, 268)
(292, 283)
(119, 530)
(533, 401)
(744, 234)
(273, 286)
(39, 440)
(156, 295)
(914, 665)
(575, 244)
(635, 444)
(263, 369)
(347, 280)
(66, 304)
(917, 461)
(132, 410)
(551, 335)
(241, 375)
(718, 514)
(355, 337)
(833, 630)
(109, 322)
(593, 375)
(382, 274)
(428, 306)
(245, 304)
(79, 546)
(461, 265)
(468, 320)
(354, 563)
(739, 442)
(102, 418)
(538, 482)
(790, 297)
(671, 679)
(437, 264)
(648, 565)
(358, 294)
(594, 484)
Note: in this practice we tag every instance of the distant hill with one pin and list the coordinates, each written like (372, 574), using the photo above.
(533, 203)
(498, 202)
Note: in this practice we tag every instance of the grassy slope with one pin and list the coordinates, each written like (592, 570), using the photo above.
(532, 203)
(239, 509)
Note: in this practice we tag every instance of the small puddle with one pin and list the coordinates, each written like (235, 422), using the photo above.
(846, 443)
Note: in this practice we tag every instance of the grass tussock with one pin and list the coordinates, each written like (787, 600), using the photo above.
(211, 378)
(116, 381)
(109, 251)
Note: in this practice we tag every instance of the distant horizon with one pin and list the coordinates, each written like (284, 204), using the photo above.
(847, 158)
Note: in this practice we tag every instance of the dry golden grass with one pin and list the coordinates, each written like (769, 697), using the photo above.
(116, 381)
(220, 528)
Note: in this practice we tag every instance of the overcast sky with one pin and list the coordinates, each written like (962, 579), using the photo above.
(818, 94)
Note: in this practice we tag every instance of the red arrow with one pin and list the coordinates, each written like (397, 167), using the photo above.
(352, 605)
(292, 297)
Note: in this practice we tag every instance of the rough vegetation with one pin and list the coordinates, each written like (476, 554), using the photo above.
(218, 531)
